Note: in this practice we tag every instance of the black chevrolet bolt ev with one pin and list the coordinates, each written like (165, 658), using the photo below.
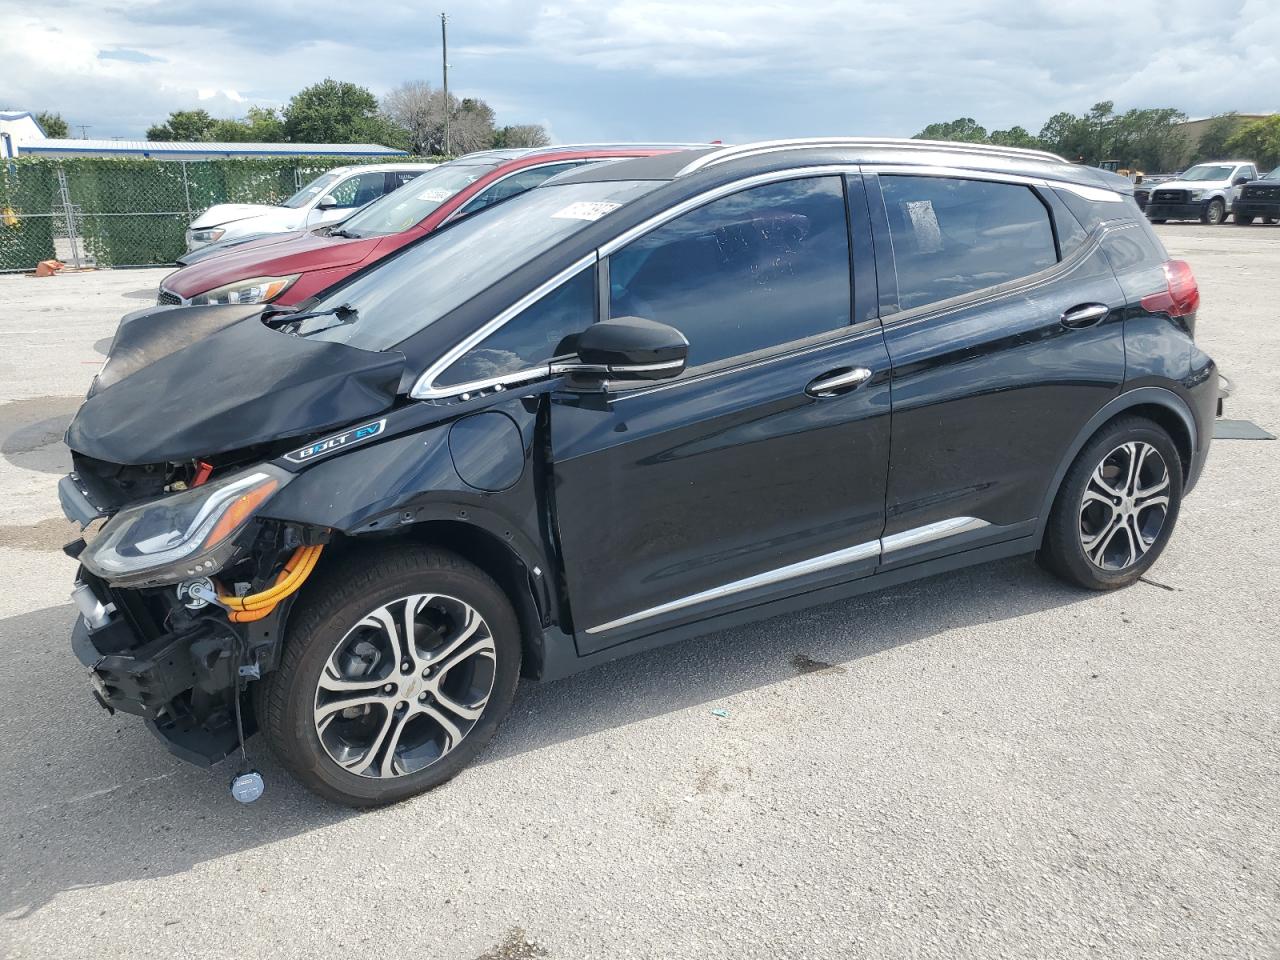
(645, 401)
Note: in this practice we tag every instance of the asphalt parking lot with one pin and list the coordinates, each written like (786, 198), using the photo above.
(987, 764)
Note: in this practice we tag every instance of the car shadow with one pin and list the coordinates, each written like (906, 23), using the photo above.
(95, 800)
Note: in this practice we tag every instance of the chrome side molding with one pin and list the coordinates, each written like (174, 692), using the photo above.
(939, 530)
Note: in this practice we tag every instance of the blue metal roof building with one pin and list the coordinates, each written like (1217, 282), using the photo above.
(187, 150)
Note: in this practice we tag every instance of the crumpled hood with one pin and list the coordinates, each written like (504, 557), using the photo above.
(266, 258)
(196, 382)
(280, 218)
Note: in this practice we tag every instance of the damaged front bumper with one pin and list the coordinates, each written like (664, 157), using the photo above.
(181, 682)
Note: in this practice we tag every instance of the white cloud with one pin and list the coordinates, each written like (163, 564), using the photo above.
(659, 68)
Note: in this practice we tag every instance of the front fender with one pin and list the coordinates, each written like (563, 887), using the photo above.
(477, 470)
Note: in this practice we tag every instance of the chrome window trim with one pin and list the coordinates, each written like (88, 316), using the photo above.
(1100, 194)
(774, 146)
(425, 389)
(716, 193)
(930, 532)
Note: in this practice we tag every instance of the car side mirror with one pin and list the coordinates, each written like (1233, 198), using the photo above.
(1241, 181)
(629, 348)
(327, 202)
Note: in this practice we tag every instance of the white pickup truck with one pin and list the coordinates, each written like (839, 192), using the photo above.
(1205, 192)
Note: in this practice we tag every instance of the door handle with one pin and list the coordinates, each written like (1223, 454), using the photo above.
(837, 382)
(1085, 315)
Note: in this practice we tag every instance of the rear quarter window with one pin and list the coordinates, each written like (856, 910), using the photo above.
(952, 236)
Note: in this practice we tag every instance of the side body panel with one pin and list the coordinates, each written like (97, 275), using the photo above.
(989, 388)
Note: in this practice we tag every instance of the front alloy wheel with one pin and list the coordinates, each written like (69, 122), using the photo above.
(405, 685)
(399, 664)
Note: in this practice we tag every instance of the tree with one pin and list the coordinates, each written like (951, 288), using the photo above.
(52, 124)
(1212, 144)
(1014, 137)
(419, 108)
(1259, 141)
(337, 112)
(521, 135)
(183, 125)
(963, 130)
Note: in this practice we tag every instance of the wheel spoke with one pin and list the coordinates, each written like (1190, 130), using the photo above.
(1135, 453)
(1159, 485)
(1153, 502)
(449, 655)
(452, 734)
(1102, 481)
(325, 712)
(362, 760)
(391, 740)
(462, 710)
(1097, 547)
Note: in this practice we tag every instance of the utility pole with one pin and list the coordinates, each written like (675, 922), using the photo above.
(444, 63)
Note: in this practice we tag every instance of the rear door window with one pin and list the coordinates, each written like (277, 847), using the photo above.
(951, 236)
(753, 270)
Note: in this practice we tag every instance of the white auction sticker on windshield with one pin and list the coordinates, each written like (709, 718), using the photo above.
(436, 195)
(586, 210)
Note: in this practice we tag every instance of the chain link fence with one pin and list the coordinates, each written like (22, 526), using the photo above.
(130, 212)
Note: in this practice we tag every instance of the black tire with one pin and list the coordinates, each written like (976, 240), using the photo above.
(1215, 213)
(1243, 219)
(1268, 220)
(1063, 551)
(1160, 220)
(326, 615)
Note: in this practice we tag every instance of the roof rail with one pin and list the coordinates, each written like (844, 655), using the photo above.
(773, 146)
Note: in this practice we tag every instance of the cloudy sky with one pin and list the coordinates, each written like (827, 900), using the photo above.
(651, 69)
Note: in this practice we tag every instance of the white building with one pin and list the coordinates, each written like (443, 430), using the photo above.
(17, 130)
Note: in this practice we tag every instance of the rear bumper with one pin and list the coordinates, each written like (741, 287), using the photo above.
(1175, 211)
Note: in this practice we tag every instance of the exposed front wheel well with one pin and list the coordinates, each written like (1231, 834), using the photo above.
(480, 547)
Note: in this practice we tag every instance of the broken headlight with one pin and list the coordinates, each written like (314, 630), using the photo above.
(183, 534)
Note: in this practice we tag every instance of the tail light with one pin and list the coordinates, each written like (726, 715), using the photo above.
(1181, 295)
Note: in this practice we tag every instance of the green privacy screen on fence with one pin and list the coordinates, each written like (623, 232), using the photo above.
(132, 212)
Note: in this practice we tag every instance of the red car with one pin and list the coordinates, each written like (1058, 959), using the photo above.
(289, 268)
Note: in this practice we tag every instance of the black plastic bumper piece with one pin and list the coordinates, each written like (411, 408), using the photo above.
(1174, 211)
(181, 684)
(1256, 208)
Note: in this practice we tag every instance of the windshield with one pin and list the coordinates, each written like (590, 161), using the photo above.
(1273, 175)
(413, 202)
(1208, 171)
(320, 185)
(412, 290)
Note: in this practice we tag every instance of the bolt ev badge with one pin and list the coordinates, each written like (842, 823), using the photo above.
(329, 444)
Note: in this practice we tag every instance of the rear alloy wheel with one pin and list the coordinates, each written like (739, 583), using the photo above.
(1215, 213)
(1116, 508)
(397, 669)
(1124, 506)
